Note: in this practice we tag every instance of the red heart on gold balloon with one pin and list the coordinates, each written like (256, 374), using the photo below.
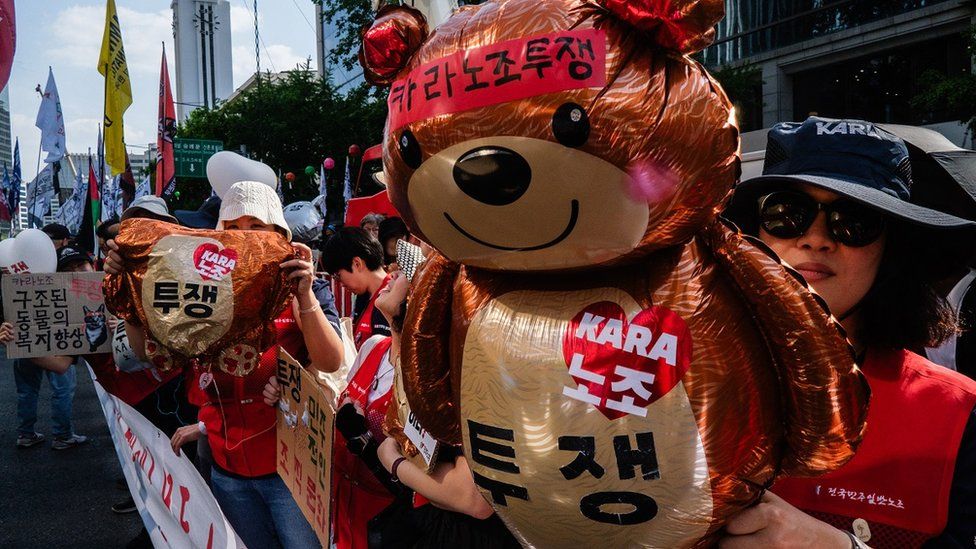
(212, 263)
(621, 366)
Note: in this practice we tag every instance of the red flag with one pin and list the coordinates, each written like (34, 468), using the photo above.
(8, 39)
(165, 168)
(379, 203)
(86, 234)
(94, 193)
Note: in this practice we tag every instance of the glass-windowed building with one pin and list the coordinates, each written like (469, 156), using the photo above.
(847, 58)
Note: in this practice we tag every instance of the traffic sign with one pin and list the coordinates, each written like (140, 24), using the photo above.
(191, 155)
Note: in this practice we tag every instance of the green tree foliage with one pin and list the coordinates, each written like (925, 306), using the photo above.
(292, 121)
(350, 17)
(954, 94)
(743, 85)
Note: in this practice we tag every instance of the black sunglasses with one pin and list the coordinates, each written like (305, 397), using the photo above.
(789, 214)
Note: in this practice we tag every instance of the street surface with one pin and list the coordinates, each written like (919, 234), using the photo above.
(60, 499)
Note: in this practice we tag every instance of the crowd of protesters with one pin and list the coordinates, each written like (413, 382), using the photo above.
(836, 208)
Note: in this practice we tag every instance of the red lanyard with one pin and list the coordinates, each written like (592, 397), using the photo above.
(364, 328)
(358, 389)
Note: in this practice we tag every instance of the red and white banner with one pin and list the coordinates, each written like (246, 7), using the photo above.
(174, 502)
(165, 168)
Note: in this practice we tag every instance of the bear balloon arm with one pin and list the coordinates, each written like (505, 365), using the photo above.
(825, 394)
(425, 361)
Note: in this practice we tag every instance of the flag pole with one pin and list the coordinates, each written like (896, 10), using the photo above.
(30, 207)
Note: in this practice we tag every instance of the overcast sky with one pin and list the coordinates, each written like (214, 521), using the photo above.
(67, 36)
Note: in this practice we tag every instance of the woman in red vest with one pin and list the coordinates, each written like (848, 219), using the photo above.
(355, 259)
(238, 425)
(833, 204)
(361, 488)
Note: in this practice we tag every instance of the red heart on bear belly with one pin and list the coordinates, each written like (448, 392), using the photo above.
(212, 263)
(622, 366)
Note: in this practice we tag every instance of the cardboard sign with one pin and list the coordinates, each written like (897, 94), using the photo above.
(56, 314)
(306, 422)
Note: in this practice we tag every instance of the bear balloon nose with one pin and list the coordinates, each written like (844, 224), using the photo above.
(493, 175)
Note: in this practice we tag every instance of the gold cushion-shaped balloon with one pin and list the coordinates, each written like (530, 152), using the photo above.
(209, 296)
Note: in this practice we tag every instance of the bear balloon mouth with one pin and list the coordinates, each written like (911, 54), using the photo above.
(573, 219)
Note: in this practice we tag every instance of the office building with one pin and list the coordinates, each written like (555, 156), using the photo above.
(847, 58)
(6, 139)
(204, 61)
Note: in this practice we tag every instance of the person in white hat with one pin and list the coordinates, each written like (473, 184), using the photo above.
(259, 506)
(238, 425)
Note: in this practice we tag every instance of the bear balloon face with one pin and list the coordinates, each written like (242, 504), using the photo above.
(539, 136)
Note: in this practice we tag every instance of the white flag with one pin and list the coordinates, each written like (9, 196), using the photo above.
(40, 191)
(51, 122)
(118, 200)
(144, 188)
(72, 212)
(108, 197)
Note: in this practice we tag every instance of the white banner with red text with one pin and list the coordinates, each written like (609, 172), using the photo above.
(175, 503)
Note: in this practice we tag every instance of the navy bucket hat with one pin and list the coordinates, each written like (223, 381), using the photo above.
(852, 158)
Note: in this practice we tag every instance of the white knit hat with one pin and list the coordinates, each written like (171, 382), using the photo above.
(255, 199)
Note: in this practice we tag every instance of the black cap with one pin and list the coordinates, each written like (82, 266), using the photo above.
(70, 255)
(205, 217)
(57, 231)
(853, 158)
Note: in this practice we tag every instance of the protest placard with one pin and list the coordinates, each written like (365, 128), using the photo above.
(306, 419)
(56, 314)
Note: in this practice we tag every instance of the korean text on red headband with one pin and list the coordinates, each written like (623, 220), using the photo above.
(499, 73)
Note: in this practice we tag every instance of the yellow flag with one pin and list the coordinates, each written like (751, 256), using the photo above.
(118, 92)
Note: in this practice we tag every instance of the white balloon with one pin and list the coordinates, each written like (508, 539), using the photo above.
(7, 255)
(35, 248)
(226, 168)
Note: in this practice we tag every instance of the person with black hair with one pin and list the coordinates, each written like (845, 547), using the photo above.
(60, 235)
(392, 230)
(833, 203)
(355, 258)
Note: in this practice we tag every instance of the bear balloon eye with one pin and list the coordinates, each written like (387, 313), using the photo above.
(409, 149)
(570, 125)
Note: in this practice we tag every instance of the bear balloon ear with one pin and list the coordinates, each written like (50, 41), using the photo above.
(396, 34)
(684, 26)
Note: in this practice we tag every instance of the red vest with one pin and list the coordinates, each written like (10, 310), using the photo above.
(364, 327)
(130, 387)
(896, 488)
(358, 496)
(240, 426)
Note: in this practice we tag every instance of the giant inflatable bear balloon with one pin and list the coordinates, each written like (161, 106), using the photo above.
(620, 366)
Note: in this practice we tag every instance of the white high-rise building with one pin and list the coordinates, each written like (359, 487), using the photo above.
(6, 141)
(204, 61)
